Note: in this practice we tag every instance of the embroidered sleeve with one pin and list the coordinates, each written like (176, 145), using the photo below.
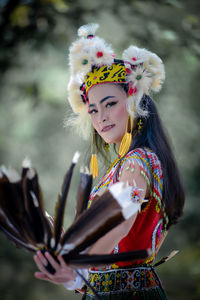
(128, 163)
(149, 168)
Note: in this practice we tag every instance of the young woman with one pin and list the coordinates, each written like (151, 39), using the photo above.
(113, 96)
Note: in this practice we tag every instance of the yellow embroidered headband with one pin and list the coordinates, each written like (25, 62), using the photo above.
(114, 73)
(92, 61)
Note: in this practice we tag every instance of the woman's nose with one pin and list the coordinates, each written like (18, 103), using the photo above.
(102, 117)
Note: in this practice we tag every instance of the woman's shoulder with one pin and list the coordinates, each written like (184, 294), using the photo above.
(148, 162)
(144, 155)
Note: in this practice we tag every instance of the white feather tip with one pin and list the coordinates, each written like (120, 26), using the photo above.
(52, 242)
(85, 170)
(26, 163)
(76, 157)
(31, 173)
(10, 173)
(4, 170)
(35, 200)
(172, 254)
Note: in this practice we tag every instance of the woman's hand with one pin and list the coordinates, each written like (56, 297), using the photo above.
(63, 273)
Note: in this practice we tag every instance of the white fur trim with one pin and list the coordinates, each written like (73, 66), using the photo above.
(124, 198)
(88, 29)
(81, 123)
(155, 66)
(77, 62)
(74, 94)
(139, 55)
(100, 46)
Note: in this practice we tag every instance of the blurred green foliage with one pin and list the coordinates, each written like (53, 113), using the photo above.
(35, 36)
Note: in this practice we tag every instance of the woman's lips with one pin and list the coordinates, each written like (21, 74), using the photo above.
(107, 128)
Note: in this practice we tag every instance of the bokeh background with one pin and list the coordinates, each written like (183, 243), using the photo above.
(34, 38)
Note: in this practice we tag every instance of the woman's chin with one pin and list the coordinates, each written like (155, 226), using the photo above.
(112, 141)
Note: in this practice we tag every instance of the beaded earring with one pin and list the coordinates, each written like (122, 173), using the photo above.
(106, 147)
(139, 125)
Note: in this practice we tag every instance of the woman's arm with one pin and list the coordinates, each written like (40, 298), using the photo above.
(107, 243)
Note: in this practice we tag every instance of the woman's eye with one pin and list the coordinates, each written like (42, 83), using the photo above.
(109, 104)
(92, 111)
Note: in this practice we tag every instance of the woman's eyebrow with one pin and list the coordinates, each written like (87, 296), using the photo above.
(102, 100)
(106, 98)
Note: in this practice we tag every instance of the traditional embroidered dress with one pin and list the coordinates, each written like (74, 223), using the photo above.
(135, 280)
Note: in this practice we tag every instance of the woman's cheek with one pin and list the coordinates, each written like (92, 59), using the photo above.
(94, 122)
(118, 114)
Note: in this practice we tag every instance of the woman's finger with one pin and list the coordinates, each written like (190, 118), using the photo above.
(68, 270)
(42, 258)
(62, 262)
(40, 265)
(41, 275)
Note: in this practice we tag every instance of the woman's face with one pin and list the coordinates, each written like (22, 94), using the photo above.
(107, 107)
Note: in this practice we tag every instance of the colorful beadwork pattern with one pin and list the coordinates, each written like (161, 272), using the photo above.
(149, 227)
(123, 280)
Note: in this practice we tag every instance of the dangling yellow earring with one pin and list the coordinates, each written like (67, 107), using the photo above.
(127, 138)
(126, 141)
(94, 161)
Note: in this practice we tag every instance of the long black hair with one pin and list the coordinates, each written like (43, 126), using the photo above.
(153, 136)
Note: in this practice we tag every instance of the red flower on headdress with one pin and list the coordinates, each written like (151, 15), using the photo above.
(132, 90)
(128, 71)
(99, 54)
(135, 90)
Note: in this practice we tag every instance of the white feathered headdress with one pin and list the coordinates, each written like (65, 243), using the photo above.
(144, 73)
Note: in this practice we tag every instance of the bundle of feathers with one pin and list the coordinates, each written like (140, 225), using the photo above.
(24, 221)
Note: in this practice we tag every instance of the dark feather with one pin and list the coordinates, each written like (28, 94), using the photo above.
(8, 226)
(26, 165)
(60, 207)
(12, 202)
(87, 261)
(166, 258)
(93, 223)
(83, 194)
(34, 208)
(17, 241)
